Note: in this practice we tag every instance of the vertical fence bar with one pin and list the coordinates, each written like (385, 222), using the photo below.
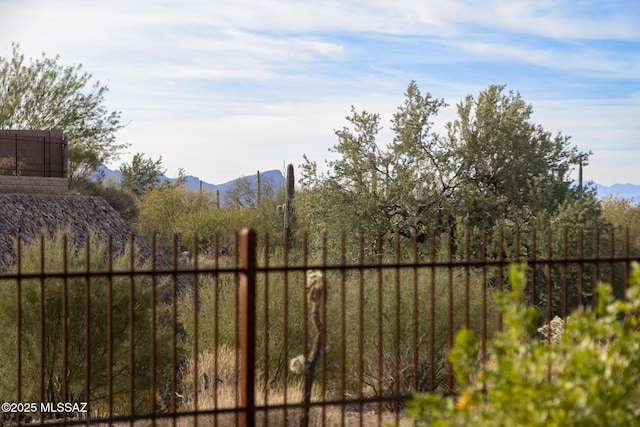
(87, 322)
(216, 315)
(467, 295)
(285, 327)
(236, 314)
(416, 297)
(265, 330)
(580, 268)
(549, 271)
(483, 257)
(532, 255)
(153, 386)
(397, 332)
(174, 328)
(44, 155)
(109, 325)
(343, 326)
(16, 169)
(432, 312)
(360, 326)
(611, 256)
(380, 328)
(132, 325)
(18, 322)
(196, 311)
(323, 354)
(450, 325)
(625, 273)
(308, 375)
(247, 326)
(65, 327)
(565, 256)
(42, 325)
(500, 268)
(596, 267)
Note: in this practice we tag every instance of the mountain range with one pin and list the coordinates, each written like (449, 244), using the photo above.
(627, 191)
(276, 179)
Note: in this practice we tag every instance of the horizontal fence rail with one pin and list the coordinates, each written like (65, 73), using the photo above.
(333, 330)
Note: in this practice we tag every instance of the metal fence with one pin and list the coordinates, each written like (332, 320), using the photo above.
(41, 153)
(331, 332)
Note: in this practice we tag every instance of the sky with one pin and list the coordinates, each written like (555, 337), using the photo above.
(224, 88)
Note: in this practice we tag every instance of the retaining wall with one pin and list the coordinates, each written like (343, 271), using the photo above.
(33, 185)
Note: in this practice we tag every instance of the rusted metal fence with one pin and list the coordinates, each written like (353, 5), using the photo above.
(38, 153)
(334, 331)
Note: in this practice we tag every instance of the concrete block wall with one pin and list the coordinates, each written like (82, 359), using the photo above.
(33, 185)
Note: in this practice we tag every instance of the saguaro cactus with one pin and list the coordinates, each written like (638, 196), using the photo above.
(289, 214)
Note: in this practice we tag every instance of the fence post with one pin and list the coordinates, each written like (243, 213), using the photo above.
(247, 326)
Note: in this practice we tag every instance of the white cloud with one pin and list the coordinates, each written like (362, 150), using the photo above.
(248, 83)
(584, 59)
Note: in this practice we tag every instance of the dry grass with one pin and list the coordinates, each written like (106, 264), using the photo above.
(220, 391)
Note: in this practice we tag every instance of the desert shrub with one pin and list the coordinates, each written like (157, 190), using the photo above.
(589, 378)
(172, 212)
(123, 201)
(624, 214)
(205, 222)
(48, 296)
(368, 312)
(120, 199)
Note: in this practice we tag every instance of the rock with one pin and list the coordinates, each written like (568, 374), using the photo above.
(29, 216)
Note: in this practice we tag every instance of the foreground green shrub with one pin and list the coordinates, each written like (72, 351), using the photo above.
(591, 378)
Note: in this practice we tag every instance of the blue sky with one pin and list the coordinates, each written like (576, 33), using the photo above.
(226, 88)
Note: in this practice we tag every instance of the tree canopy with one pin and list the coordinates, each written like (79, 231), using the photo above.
(142, 174)
(43, 94)
(491, 166)
(508, 167)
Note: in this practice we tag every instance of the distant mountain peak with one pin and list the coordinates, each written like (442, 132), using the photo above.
(274, 177)
(277, 179)
(627, 191)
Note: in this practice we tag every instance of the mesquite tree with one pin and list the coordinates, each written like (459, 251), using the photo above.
(43, 94)
(492, 167)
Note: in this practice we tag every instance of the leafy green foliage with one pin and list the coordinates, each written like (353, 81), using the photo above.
(623, 214)
(508, 167)
(171, 210)
(51, 295)
(46, 95)
(493, 169)
(141, 175)
(380, 190)
(123, 201)
(246, 194)
(162, 210)
(589, 378)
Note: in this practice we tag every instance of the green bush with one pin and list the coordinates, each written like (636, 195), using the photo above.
(48, 294)
(120, 199)
(589, 379)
